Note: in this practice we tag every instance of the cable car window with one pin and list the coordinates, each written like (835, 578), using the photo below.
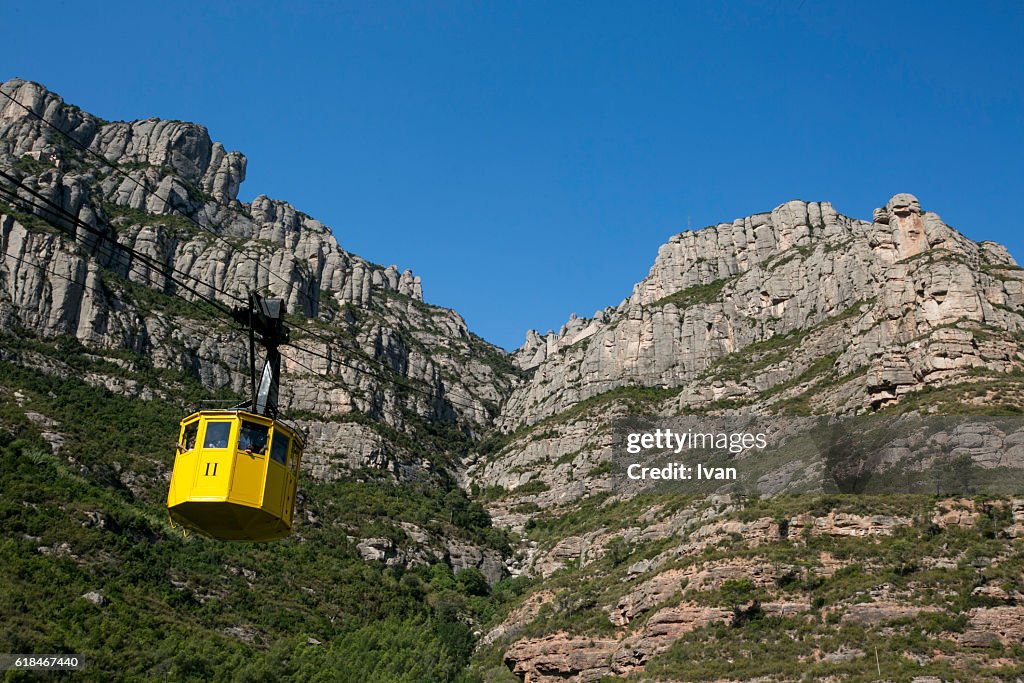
(253, 438)
(191, 432)
(279, 448)
(217, 434)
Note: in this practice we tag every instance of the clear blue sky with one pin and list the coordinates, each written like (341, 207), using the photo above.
(527, 159)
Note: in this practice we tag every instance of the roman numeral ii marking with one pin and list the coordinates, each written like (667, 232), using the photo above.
(208, 473)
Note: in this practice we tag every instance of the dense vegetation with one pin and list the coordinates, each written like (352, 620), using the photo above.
(90, 519)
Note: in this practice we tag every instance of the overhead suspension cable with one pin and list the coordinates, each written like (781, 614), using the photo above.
(142, 184)
(162, 268)
(52, 273)
(166, 201)
(53, 207)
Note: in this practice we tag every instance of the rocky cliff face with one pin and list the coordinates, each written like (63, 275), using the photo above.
(920, 301)
(798, 311)
(172, 176)
(374, 383)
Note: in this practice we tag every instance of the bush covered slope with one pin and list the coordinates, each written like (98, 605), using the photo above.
(92, 566)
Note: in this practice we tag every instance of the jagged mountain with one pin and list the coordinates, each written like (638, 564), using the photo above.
(174, 177)
(797, 311)
(800, 311)
(921, 304)
(383, 382)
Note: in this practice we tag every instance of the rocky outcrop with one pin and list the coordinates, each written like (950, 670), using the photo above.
(561, 656)
(169, 168)
(418, 547)
(655, 602)
(799, 310)
(374, 373)
(467, 556)
(990, 625)
(872, 613)
(919, 301)
(518, 617)
(173, 198)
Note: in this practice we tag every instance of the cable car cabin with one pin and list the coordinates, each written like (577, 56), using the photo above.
(235, 475)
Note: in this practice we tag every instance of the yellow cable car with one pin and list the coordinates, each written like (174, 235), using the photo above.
(236, 471)
(235, 475)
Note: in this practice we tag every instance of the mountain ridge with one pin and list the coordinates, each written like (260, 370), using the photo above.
(473, 487)
(763, 265)
(373, 373)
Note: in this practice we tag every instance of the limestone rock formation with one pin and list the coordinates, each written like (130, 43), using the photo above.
(796, 311)
(919, 299)
(371, 367)
(664, 600)
(173, 198)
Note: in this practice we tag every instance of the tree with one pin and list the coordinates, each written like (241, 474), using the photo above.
(472, 582)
